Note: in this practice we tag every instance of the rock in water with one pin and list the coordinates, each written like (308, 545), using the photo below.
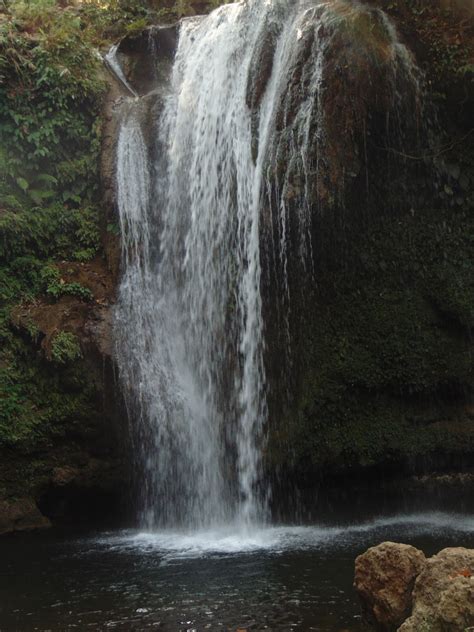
(443, 597)
(21, 514)
(384, 579)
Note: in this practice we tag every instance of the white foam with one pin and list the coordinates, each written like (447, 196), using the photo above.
(173, 544)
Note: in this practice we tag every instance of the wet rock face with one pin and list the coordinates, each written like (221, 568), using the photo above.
(145, 61)
(395, 581)
(384, 579)
(349, 103)
(443, 597)
(356, 81)
(146, 57)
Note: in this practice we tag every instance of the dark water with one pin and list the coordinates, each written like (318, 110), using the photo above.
(280, 578)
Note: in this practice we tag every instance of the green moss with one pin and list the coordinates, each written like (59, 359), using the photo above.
(39, 402)
(388, 356)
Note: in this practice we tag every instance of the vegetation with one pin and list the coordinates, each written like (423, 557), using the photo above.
(65, 348)
(51, 91)
(52, 88)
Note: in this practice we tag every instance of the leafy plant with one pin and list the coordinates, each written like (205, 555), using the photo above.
(65, 348)
(56, 287)
(51, 91)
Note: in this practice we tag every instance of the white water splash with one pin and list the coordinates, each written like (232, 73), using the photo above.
(278, 539)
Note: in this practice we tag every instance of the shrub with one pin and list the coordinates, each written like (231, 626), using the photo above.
(65, 348)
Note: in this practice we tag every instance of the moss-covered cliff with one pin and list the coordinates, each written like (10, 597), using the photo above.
(382, 366)
(56, 433)
(387, 367)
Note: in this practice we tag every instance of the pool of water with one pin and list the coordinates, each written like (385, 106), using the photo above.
(276, 578)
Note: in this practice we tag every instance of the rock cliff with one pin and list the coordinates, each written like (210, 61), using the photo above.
(380, 372)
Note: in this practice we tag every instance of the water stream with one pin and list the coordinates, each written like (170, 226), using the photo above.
(114, 65)
(190, 329)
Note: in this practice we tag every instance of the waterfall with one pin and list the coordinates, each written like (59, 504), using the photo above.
(239, 145)
(114, 65)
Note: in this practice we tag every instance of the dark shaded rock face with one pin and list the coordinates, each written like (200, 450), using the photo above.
(77, 473)
(351, 103)
(146, 60)
(21, 515)
(146, 57)
(378, 371)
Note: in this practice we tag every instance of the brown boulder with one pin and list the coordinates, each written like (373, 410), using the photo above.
(63, 476)
(443, 597)
(21, 515)
(384, 580)
(456, 606)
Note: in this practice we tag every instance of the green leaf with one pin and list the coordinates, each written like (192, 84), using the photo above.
(48, 179)
(38, 195)
(22, 183)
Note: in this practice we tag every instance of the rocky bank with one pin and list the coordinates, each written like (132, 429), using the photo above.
(399, 589)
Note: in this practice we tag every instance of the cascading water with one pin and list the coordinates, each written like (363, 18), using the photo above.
(116, 68)
(190, 330)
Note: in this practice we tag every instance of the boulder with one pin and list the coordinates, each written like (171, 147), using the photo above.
(456, 607)
(21, 514)
(443, 596)
(384, 579)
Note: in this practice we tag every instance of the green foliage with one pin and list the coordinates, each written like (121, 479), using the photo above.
(13, 407)
(50, 97)
(49, 232)
(65, 348)
(56, 287)
(110, 20)
(51, 91)
(40, 403)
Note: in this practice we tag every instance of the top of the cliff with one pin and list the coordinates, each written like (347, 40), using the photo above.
(440, 32)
